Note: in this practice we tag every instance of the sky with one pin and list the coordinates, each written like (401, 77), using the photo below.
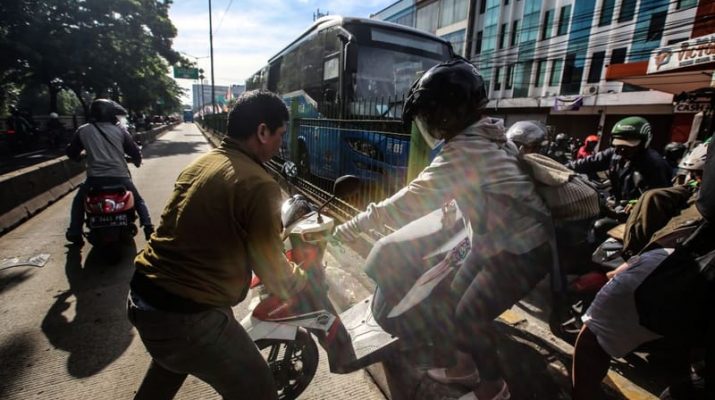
(246, 33)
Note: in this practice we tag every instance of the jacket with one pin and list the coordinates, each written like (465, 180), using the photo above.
(655, 171)
(105, 153)
(479, 169)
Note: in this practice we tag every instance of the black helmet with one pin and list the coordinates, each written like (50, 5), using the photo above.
(674, 151)
(448, 98)
(105, 110)
(562, 138)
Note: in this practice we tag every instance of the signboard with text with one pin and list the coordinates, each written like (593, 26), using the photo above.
(696, 51)
(186, 73)
(691, 107)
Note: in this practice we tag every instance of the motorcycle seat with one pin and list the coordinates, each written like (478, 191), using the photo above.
(112, 189)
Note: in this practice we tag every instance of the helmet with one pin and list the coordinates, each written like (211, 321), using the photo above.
(674, 151)
(527, 133)
(53, 115)
(445, 100)
(294, 209)
(105, 110)
(695, 159)
(632, 132)
(562, 137)
(591, 139)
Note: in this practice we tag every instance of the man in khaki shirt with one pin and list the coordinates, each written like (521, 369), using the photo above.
(221, 223)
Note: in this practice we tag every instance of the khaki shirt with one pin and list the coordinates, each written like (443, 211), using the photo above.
(221, 222)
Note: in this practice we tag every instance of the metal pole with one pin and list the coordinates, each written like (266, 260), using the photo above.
(211, 44)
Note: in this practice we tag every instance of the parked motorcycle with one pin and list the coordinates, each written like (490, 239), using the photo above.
(110, 217)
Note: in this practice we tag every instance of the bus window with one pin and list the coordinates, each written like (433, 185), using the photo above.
(331, 68)
(388, 73)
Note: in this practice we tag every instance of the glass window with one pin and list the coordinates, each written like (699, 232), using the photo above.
(594, 74)
(457, 40)
(502, 36)
(556, 66)
(618, 56)
(509, 76)
(548, 26)
(506, 2)
(406, 40)
(628, 10)
(540, 73)
(497, 78)
(606, 12)
(683, 4)
(460, 10)
(655, 29)
(407, 19)
(331, 68)
(482, 6)
(478, 44)
(564, 19)
(514, 32)
(446, 12)
(428, 17)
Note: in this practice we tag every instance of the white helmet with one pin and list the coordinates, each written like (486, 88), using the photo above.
(53, 115)
(527, 133)
(695, 159)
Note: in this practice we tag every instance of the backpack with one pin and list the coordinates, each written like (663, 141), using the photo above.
(567, 195)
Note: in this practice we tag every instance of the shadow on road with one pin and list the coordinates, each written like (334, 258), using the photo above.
(97, 331)
(163, 148)
(12, 279)
(15, 353)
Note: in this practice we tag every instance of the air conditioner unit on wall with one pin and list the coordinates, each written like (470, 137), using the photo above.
(590, 90)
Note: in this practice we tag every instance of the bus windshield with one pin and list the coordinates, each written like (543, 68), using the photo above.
(393, 60)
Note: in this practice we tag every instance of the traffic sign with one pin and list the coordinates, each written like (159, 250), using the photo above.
(186, 73)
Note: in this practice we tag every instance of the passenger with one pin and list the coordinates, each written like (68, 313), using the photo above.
(620, 319)
(105, 143)
(672, 153)
(506, 219)
(588, 148)
(560, 148)
(528, 136)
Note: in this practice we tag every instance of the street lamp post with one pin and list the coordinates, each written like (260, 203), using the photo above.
(201, 80)
(211, 44)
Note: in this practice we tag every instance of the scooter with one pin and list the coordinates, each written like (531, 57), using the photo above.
(284, 331)
(110, 217)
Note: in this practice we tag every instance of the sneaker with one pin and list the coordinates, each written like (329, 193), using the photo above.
(75, 239)
(503, 394)
(440, 375)
(148, 230)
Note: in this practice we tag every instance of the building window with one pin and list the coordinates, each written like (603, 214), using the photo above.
(556, 66)
(564, 19)
(594, 74)
(506, 2)
(502, 36)
(483, 7)
(548, 25)
(497, 78)
(457, 41)
(407, 19)
(478, 44)
(540, 73)
(509, 76)
(628, 10)
(655, 29)
(514, 32)
(675, 41)
(618, 56)
(606, 12)
(428, 17)
(683, 4)
(452, 11)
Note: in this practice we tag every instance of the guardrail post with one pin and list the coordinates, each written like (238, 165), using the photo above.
(419, 154)
(293, 130)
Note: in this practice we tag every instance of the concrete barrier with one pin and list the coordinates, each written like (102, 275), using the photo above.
(27, 191)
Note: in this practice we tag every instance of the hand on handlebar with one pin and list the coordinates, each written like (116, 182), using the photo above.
(346, 232)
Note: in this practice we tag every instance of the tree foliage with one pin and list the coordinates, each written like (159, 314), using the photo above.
(115, 48)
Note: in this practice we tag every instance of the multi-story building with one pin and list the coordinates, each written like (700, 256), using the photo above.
(221, 93)
(546, 59)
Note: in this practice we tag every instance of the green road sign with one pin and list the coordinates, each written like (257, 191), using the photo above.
(186, 73)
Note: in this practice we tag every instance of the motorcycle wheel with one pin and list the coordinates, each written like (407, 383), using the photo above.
(565, 320)
(292, 362)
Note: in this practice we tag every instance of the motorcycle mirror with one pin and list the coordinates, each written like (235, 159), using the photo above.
(346, 185)
(289, 170)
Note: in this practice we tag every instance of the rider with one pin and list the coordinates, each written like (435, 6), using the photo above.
(54, 129)
(528, 136)
(560, 149)
(105, 143)
(589, 145)
(629, 158)
(479, 169)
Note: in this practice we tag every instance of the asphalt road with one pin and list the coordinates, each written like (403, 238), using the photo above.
(64, 332)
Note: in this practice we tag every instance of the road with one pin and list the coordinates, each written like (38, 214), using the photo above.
(65, 334)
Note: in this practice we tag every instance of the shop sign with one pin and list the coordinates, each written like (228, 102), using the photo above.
(691, 107)
(695, 51)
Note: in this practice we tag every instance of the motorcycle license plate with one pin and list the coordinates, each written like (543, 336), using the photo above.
(103, 221)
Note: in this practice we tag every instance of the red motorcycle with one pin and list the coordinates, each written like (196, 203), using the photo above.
(110, 217)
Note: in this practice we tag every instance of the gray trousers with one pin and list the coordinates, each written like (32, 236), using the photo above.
(211, 345)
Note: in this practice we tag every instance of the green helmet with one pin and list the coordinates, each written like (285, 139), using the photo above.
(632, 132)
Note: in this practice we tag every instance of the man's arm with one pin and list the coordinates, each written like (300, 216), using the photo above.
(75, 147)
(131, 148)
(265, 247)
(593, 163)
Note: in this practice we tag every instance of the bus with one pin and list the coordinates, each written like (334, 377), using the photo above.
(357, 64)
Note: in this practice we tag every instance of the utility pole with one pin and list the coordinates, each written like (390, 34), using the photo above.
(201, 78)
(211, 44)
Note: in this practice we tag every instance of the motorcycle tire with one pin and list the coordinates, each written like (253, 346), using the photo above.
(565, 318)
(293, 363)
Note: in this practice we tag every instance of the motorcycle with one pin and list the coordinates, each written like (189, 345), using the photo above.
(110, 217)
(285, 331)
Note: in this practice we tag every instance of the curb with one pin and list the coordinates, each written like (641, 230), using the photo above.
(30, 190)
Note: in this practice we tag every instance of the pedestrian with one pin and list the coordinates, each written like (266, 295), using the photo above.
(221, 223)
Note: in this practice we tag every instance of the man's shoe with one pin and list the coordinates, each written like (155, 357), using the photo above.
(440, 375)
(148, 230)
(75, 239)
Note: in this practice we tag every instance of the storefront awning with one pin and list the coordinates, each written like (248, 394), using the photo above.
(673, 81)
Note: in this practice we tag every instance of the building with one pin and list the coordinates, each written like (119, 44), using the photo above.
(221, 92)
(546, 59)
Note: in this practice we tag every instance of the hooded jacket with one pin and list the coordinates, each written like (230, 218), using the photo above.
(479, 169)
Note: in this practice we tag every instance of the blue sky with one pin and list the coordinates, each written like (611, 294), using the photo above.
(251, 31)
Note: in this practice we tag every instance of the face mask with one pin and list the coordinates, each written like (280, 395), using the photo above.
(122, 119)
(432, 140)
